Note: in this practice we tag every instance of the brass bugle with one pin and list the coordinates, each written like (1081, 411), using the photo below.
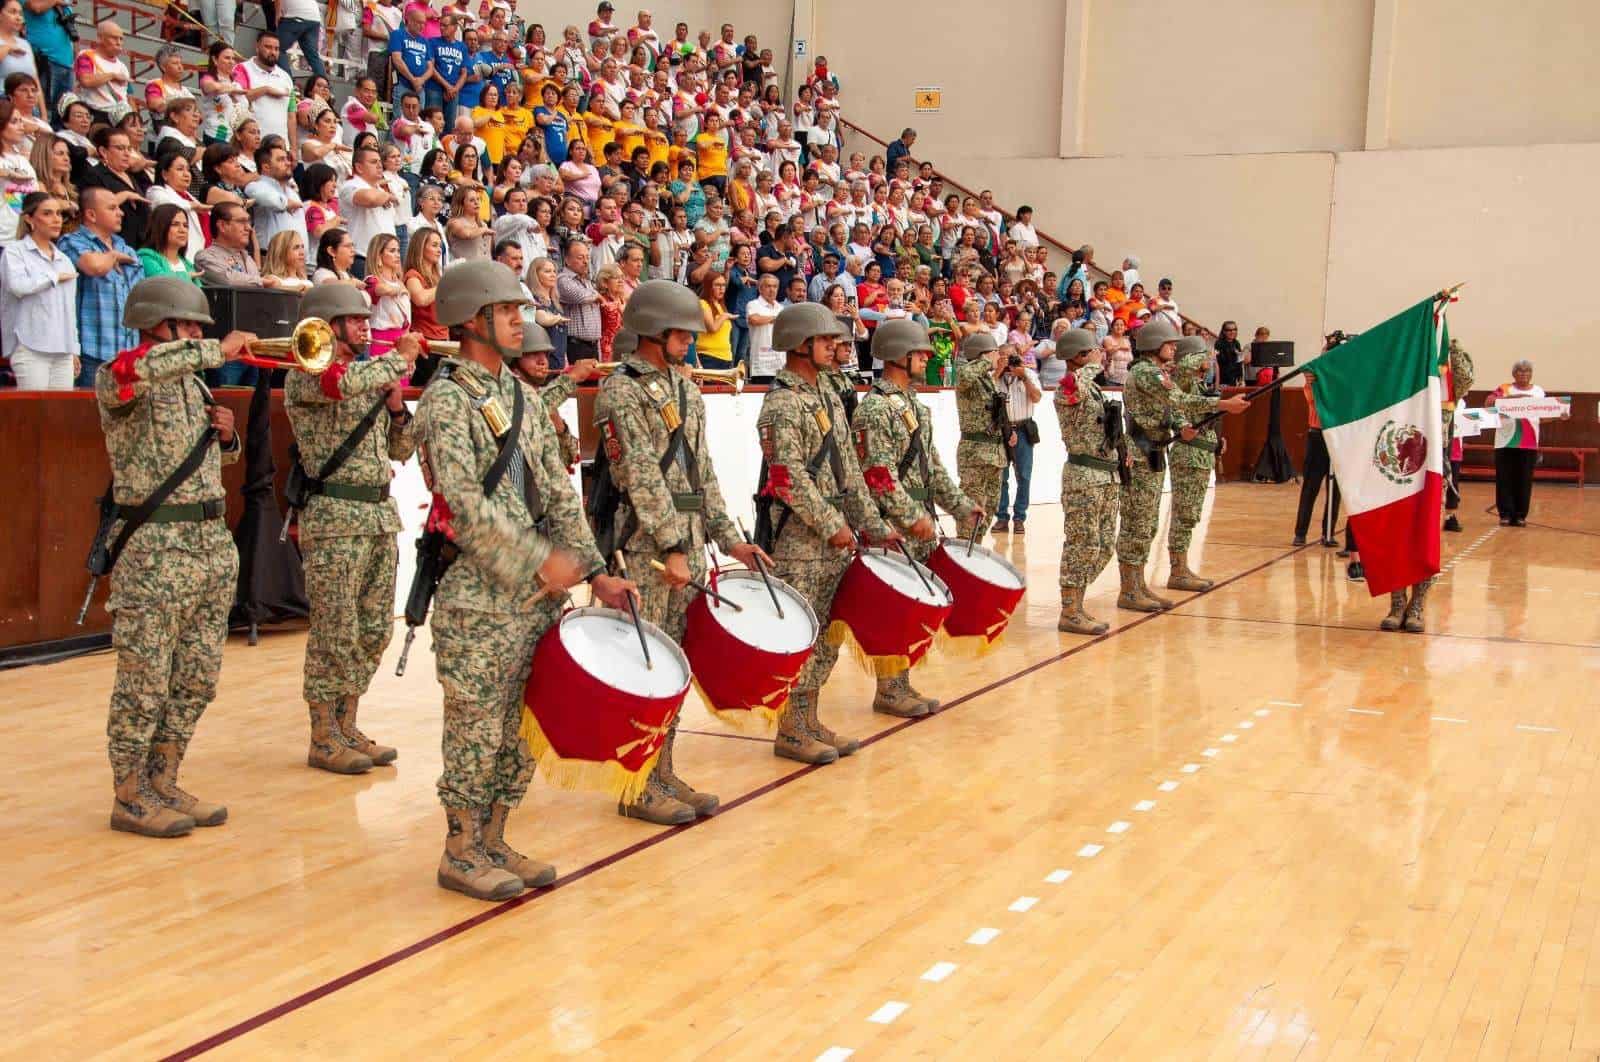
(445, 348)
(308, 348)
(733, 377)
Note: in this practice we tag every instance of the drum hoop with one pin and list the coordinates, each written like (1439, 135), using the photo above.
(933, 576)
(658, 640)
(952, 544)
(789, 594)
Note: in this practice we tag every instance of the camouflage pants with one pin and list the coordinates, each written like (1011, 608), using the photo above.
(1089, 526)
(1141, 512)
(659, 603)
(169, 620)
(1189, 486)
(482, 660)
(816, 579)
(350, 582)
(981, 483)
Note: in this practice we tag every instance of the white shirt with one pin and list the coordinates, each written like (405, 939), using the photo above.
(1018, 405)
(270, 112)
(40, 310)
(365, 222)
(303, 9)
(764, 361)
(270, 213)
(1024, 235)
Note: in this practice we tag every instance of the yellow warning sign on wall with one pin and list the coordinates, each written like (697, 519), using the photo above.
(929, 99)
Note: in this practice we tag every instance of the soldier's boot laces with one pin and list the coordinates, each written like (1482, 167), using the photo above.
(1074, 620)
(896, 699)
(1397, 611)
(534, 874)
(165, 759)
(135, 808)
(465, 867)
(702, 803)
(794, 741)
(345, 714)
(655, 804)
(844, 746)
(1182, 578)
(933, 703)
(1134, 597)
(1416, 612)
(330, 750)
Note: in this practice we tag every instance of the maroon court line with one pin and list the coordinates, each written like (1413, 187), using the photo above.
(361, 973)
(1501, 639)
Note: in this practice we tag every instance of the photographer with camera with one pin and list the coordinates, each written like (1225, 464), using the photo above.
(51, 27)
(1019, 386)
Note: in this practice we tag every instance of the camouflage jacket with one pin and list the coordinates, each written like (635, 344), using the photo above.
(1461, 377)
(501, 551)
(842, 385)
(976, 395)
(883, 425)
(795, 416)
(1155, 406)
(1187, 374)
(152, 409)
(1081, 409)
(636, 415)
(554, 394)
(324, 410)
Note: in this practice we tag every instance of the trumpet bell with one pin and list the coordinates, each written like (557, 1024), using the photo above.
(733, 377)
(308, 348)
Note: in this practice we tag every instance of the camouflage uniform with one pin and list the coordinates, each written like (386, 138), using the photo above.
(662, 513)
(488, 612)
(174, 582)
(1191, 462)
(1158, 410)
(981, 454)
(554, 395)
(1088, 489)
(844, 387)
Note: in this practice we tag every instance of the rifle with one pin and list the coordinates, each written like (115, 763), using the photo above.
(1117, 439)
(99, 560)
(435, 554)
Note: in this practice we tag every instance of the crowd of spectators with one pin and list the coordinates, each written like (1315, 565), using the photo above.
(587, 160)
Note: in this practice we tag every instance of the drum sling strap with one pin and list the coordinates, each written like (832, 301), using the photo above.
(298, 493)
(828, 451)
(916, 455)
(677, 451)
(136, 516)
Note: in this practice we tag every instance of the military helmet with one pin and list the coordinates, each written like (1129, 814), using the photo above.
(1156, 332)
(468, 287)
(535, 340)
(168, 298)
(894, 341)
(844, 328)
(332, 301)
(1191, 345)
(625, 343)
(802, 321)
(657, 307)
(977, 345)
(1075, 341)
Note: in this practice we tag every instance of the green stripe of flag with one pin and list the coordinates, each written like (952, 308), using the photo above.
(1382, 366)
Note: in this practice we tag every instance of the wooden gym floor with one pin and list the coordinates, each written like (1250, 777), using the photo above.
(1252, 827)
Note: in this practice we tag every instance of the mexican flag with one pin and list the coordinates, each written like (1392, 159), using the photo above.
(1378, 397)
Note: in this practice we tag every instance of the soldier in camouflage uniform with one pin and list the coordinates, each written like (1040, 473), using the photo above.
(348, 528)
(817, 511)
(534, 369)
(520, 549)
(905, 479)
(981, 454)
(174, 581)
(843, 383)
(1089, 424)
(652, 422)
(1155, 410)
(1192, 461)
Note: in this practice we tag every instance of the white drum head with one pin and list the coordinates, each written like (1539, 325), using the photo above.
(984, 563)
(895, 570)
(759, 625)
(603, 642)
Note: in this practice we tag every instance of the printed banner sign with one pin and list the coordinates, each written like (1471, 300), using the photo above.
(1531, 408)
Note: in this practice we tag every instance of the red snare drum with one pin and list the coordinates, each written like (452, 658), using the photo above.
(745, 662)
(883, 607)
(594, 715)
(987, 589)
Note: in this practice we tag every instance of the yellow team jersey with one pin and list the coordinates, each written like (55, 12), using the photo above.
(599, 131)
(630, 136)
(711, 156)
(492, 132)
(518, 121)
(675, 155)
(658, 146)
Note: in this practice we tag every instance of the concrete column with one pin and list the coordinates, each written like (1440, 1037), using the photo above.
(1380, 73)
(1074, 78)
(805, 29)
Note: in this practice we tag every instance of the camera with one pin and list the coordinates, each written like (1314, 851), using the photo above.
(1014, 361)
(69, 21)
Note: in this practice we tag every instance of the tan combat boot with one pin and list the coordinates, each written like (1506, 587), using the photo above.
(1416, 612)
(345, 714)
(894, 697)
(534, 874)
(1134, 596)
(1181, 578)
(702, 803)
(1074, 620)
(465, 867)
(162, 767)
(135, 808)
(842, 745)
(656, 804)
(329, 750)
(1397, 611)
(794, 741)
(933, 703)
(1144, 588)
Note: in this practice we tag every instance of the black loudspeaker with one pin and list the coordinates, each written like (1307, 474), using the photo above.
(1275, 354)
(269, 314)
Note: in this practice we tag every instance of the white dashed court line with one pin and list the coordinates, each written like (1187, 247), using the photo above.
(983, 936)
(1228, 739)
(939, 971)
(1023, 904)
(1284, 704)
(1190, 768)
(1448, 719)
(1244, 724)
(835, 1054)
(1117, 827)
(1089, 851)
(889, 1012)
(1144, 805)
(1210, 754)
(1263, 712)
(1056, 877)
(1363, 711)
(1167, 787)
(1538, 729)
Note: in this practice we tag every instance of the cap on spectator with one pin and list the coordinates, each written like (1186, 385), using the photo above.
(468, 287)
(660, 306)
(895, 341)
(1074, 342)
(168, 298)
(977, 345)
(535, 340)
(605, 5)
(1156, 332)
(799, 322)
(332, 301)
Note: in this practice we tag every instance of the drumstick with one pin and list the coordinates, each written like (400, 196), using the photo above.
(704, 589)
(633, 610)
(762, 568)
(972, 539)
(916, 567)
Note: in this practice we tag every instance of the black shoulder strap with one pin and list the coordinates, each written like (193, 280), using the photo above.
(915, 454)
(342, 453)
(508, 446)
(147, 508)
(675, 439)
